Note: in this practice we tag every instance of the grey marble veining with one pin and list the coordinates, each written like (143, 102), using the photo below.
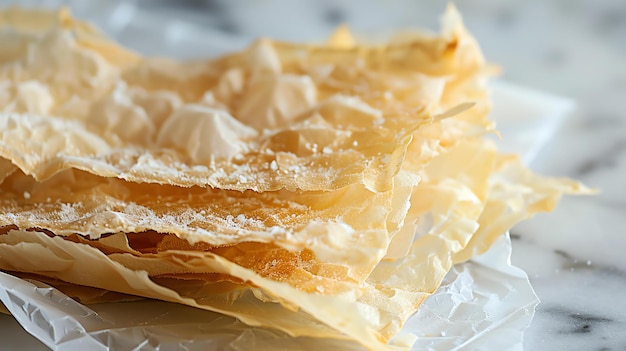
(575, 256)
(575, 48)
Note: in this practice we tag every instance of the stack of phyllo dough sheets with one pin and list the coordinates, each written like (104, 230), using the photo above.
(323, 190)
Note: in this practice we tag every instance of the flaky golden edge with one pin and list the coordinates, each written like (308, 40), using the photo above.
(451, 60)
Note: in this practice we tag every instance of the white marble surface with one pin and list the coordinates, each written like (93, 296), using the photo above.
(574, 48)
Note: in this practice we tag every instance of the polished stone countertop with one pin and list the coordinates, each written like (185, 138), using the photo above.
(577, 49)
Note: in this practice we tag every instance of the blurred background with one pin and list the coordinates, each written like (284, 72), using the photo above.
(552, 36)
(572, 48)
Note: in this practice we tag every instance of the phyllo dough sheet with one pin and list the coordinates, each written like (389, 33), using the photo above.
(307, 294)
(273, 116)
(323, 190)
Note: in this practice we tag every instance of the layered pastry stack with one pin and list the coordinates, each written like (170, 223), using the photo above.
(323, 190)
